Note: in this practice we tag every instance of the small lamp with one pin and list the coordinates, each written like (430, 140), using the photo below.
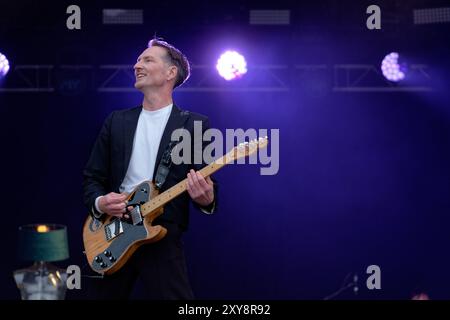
(42, 244)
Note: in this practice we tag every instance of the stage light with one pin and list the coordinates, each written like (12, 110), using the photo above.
(4, 65)
(231, 65)
(392, 69)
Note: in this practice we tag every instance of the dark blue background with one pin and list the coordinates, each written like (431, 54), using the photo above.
(363, 177)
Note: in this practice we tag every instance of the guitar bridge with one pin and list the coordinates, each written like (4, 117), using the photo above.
(113, 229)
(136, 216)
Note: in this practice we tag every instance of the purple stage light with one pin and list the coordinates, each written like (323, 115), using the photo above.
(391, 68)
(4, 65)
(231, 65)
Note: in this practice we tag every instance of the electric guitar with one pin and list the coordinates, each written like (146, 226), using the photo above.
(110, 241)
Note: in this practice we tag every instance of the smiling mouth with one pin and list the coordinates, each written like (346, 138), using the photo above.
(140, 76)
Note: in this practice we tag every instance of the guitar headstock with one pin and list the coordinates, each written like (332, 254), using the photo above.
(247, 148)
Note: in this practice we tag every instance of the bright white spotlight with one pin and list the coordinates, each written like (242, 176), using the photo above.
(392, 69)
(231, 65)
(4, 65)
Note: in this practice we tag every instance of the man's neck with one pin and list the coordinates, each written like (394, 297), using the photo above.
(155, 101)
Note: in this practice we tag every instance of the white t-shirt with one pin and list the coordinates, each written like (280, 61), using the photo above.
(150, 128)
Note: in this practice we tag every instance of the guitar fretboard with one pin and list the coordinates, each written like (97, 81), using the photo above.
(163, 198)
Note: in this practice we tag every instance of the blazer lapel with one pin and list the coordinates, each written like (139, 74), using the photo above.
(176, 120)
(129, 130)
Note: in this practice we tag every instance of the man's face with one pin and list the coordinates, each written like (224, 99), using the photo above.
(151, 69)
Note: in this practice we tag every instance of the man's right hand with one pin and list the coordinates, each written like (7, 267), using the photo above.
(114, 204)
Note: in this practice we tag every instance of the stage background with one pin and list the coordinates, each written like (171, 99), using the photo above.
(363, 176)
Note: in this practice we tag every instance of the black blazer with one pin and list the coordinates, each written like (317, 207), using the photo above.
(110, 157)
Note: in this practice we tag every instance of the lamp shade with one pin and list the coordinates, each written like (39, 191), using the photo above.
(45, 242)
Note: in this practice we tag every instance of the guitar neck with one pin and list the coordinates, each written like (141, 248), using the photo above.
(165, 197)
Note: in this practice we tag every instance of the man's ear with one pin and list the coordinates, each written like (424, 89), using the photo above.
(172, 73)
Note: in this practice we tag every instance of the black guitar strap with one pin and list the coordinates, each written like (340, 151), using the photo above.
(166, 159)
(164, 165)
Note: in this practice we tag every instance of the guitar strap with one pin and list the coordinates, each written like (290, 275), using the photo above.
(164, 165)
(166, 160)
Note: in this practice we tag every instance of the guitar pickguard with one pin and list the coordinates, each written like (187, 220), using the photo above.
(120, 233)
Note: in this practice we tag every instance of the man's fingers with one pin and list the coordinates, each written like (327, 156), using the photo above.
(119, 196)
(209, 181)
(194, 177)
(117, 206)
(202, 182)
(115, 200)
(189, 188)
(114, 195)
(192, 187)
(199, 176)
(190, 181)
(120, 213)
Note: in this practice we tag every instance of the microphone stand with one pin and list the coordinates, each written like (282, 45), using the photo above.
(353, 284)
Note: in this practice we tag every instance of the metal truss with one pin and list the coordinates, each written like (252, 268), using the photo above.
(368, 78)
(73, 79)
(203, 79)
(30, 78)
(263, 78)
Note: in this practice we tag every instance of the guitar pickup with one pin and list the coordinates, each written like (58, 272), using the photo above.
(135, 215)
(113, 229)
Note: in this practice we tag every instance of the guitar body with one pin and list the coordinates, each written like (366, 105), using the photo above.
(110, 241)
